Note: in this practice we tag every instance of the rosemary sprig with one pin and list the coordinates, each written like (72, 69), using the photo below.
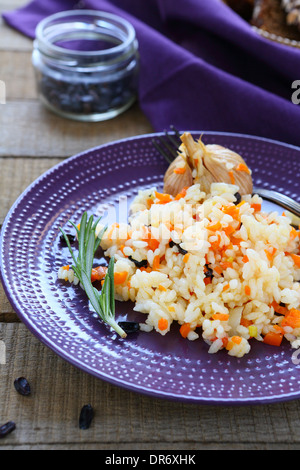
(103, 302)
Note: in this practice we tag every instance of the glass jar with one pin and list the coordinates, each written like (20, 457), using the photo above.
(86, 64)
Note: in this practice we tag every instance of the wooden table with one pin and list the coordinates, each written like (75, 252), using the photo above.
(31, 141)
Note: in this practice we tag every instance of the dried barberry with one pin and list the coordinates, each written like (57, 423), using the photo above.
(129, 326)
(139, 264)
(238, 198)
(7, 428)
(87, 97)
(86, 417)
(208, 272)
(181, 250)
(22, 386)
(70, 237)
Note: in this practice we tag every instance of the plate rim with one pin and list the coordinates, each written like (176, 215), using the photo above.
(248, 401)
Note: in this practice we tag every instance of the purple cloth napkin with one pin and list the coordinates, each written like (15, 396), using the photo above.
(202, 66)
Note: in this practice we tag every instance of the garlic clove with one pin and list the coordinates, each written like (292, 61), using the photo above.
(215, 163)
(228, 167)
(206, 164)
(194, 151)
(178, 176)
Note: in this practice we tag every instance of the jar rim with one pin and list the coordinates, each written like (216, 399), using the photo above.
(98, 15)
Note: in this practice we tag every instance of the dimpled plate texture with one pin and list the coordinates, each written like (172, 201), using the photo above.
(57, 313)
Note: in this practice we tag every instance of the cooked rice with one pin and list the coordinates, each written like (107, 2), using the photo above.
(67, 274)
(223, 270)
(245, 251)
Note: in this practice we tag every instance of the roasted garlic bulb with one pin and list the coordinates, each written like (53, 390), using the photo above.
(178, 176)
(206, 164)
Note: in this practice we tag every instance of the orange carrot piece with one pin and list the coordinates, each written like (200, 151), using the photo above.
(274, 339)
(185, 329)
(279, 309)
(236, 339)
(232, 341)
(269, 256)
(278, 329)
(163, 198)
(226, 264)
(292, 319)
(243, 167)
(149, 202)
(236, 241)
(221, 316)
(228, 230)
(98, 273)
(214, 226)
(181, 194)
(163, 324)
(218, 269)
(270, 252)
(120, 278)
(294, 233)
(296, 259)
(122, 250)
(156, 262)
(153, 244)
(245, 322)
(247, 290)
(245, 259)
(186, 258)
(225, 341)
(162, 288)
(179, 171)
(129, 234)
(147, 270)
(216, 244)
(231, 210)
(229, 345)
(256, 207)
(231, 176)
(111, 230)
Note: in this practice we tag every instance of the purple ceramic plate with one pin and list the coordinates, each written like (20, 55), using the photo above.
(165, 367)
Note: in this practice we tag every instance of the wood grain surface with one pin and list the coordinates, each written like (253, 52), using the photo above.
(32, 140)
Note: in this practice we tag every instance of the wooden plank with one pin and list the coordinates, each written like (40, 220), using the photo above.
(28, 129)
(16, 174)
(18, 75)
(7, 314)
(123, 419)
(10, 39)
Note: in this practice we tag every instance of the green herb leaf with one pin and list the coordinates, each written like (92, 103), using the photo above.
(103, 302)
